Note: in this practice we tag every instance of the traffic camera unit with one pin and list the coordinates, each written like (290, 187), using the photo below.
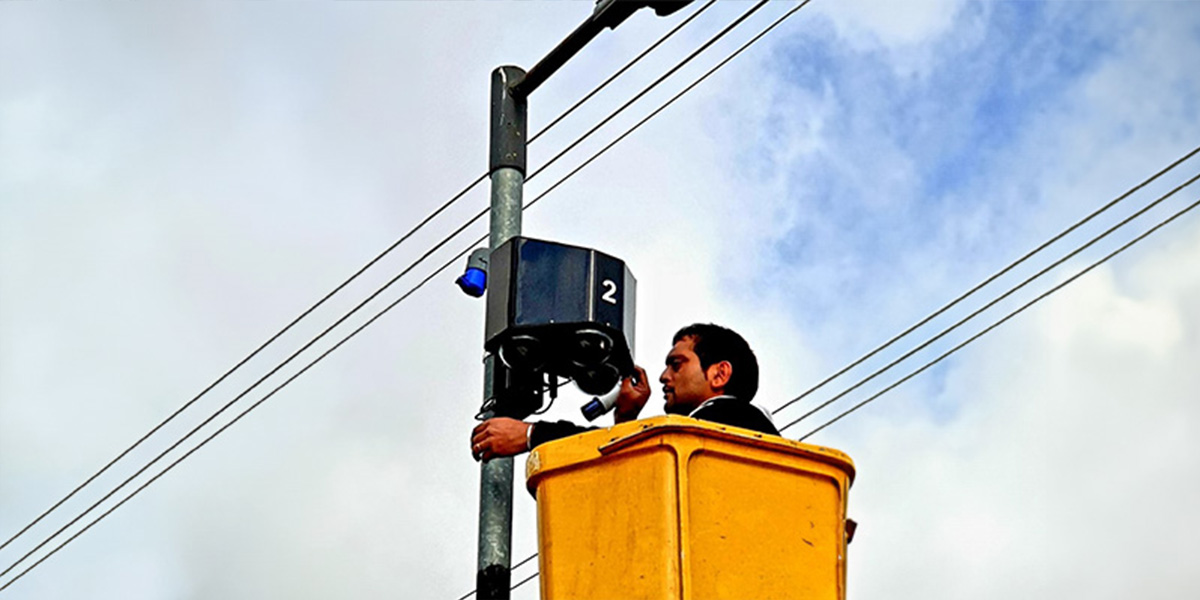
(556, 310)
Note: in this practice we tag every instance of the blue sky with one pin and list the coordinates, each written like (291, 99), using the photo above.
(177, 181)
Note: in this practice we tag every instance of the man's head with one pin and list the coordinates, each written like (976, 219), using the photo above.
(705, 361)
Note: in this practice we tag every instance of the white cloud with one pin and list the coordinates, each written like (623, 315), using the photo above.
(1070, 452)
(894, 23)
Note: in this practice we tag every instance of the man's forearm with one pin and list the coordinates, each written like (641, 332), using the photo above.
(548, 431)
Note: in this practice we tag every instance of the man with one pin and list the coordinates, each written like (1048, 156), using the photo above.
(711, 374)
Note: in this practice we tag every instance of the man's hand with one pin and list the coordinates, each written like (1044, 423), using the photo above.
(635, 391)
(499, 437)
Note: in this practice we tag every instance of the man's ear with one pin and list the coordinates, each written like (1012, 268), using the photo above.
(719, 374)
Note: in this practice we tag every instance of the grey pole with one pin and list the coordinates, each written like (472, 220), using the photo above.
(507, 168)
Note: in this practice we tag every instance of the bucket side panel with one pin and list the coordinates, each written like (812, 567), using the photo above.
(609, 530)
(763, 530)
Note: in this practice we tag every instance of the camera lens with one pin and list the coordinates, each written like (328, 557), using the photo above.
(522, 353)
(592, 347)
(597, 380)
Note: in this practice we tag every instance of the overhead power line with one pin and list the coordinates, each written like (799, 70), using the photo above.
(1010, 315)
(524, 581)
(714, 39)
(995, 301)
(359, 306)
(622, 70)
(987, 281)
(514, 568)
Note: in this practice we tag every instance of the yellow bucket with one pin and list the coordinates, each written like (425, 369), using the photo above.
(672, 508)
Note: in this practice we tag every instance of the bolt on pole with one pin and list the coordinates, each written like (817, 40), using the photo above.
(507, 169)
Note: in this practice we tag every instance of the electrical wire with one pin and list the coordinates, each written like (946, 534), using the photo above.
(1012, 314)
(553, 386)
(620, 72)
(347, 282)
(661, 79)
(408, 269)
(524, 581)
(677, 96)
(987, 281)
(513, 568)
(995, 301)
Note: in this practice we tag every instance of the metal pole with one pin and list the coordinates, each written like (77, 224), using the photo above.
(507, 167)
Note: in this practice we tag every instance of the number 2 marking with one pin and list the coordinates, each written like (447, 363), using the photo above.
(610, 294)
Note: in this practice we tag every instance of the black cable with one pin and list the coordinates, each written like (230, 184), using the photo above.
(527, 559)
(489, 404)
(987, 281)
(513, 568)
(372, 320)
(524, 581)
(672, 100)
(661, 78)
(621, 71)
(551, 386)
(995, 301)
(341, 286)
(1002, 321)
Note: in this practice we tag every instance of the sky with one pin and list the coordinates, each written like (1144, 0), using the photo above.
(179, 181)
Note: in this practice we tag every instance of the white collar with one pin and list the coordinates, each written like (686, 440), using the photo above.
(724, 396)
(708, 402)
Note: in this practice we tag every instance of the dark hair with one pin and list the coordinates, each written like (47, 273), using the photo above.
(713, 344)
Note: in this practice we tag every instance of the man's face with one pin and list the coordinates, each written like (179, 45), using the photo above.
(685, 385)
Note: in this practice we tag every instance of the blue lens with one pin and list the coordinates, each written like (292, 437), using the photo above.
(473, 282)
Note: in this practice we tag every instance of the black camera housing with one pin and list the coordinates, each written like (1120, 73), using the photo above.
(561, 310)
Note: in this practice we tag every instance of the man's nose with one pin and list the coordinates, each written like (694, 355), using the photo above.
(663, 377)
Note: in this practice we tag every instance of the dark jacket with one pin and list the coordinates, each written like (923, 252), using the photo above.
(725, 410)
